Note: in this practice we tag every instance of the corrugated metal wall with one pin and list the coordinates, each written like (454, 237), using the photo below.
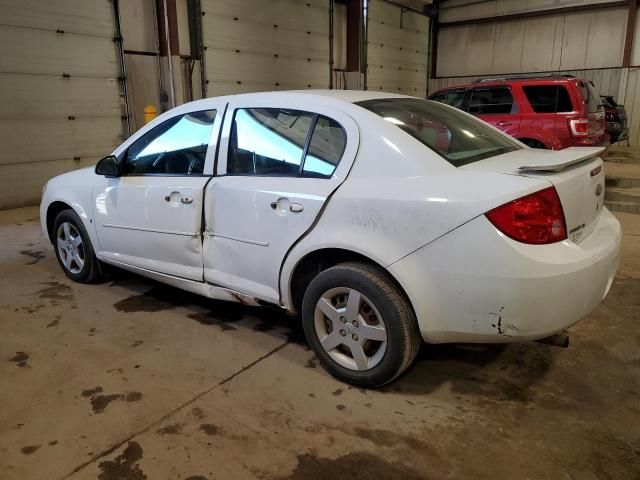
(58, 90)
(586, 40)
(396, 49)
(454, 10)
(255, 45)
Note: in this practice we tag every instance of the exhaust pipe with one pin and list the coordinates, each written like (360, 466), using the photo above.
(557, 340)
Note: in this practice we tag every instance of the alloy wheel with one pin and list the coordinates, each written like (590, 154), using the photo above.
(350, 328)
(70, 247)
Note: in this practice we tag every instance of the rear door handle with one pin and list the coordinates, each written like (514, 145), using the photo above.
(503, 123)
(186, 199)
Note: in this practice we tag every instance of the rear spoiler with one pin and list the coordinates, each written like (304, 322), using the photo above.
(561, 159)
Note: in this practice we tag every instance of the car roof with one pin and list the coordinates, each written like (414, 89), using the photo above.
(508, 81)
(347, 96)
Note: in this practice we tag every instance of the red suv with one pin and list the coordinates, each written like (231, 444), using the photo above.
(552, 111)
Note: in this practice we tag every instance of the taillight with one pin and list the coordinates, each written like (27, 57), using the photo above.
(535, 219)
(579, 127)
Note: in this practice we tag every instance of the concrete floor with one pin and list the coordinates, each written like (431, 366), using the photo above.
(129, 380)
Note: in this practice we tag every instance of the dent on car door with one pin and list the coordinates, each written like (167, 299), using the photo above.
(497, 106)
(150, 216)
(277, 168)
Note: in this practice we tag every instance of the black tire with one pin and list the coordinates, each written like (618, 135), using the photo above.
(403, 337)
(91, 269)
(533, 143)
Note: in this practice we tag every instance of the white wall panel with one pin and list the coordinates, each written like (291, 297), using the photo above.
(631, 102)
(396, 49)
(252, 45)
(139, 25)
(586, 40)
(94, 18)
(456, 10)
(61, 106)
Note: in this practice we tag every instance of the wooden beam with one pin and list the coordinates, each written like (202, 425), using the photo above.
(537, 14)
(434, 29)
(354, 21)
(630, 34)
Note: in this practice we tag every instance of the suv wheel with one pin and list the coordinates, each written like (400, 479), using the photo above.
(73, 248)
(532, 143)
(359, 325)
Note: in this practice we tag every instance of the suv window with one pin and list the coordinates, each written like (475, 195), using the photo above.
(267, 141)
(273, 141)
(488, 100)
(590, 96)
(548, 98)
(175, 147)
(455, 98)
(325, 148)
(456, 137)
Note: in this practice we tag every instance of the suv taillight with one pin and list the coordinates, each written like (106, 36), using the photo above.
(579, 127)
(535, 219)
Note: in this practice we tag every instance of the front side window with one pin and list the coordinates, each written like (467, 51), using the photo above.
(491, 100)
(453, 135)
(548, 98)
(267, 141)
(175, 147)
(455, 98)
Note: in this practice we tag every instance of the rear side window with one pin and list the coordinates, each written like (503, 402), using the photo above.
(455, 98)
(488, 100)
(283, 142)
(548, 98)
(325, 148)
(267, 141)
(452, 134)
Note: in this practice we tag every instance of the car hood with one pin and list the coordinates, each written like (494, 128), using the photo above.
(81, 175)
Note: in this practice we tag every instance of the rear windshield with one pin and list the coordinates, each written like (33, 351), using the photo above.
(455, 136)
(590, 96)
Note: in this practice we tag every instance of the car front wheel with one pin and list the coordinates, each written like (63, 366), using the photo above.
(360, 326)
(73, 248)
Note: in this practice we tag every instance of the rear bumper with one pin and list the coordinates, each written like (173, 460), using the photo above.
(476, 285)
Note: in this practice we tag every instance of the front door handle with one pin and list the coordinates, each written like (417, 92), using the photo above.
(503, 123)
(296, 207)
(186, 199)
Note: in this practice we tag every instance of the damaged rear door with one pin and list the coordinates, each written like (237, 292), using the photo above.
(277, 167)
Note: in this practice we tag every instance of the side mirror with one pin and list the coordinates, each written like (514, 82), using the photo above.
(108, 166)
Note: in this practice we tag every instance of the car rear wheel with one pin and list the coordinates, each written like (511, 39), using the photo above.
(360, 326)
(73, 248)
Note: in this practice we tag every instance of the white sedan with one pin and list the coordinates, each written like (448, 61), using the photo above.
(382, 220)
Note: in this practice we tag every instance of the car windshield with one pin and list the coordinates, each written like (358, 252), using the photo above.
(455, 136)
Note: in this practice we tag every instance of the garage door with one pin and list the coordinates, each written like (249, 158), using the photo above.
(396, 49)
(254, 45)
(58, 90)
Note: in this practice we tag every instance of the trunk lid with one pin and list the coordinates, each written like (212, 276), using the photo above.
(575, 172)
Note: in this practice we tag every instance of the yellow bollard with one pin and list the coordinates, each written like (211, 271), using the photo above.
(150, 113)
